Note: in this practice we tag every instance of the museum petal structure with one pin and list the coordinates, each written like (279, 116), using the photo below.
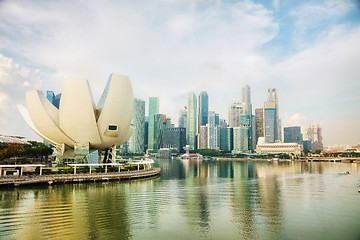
(78, 127)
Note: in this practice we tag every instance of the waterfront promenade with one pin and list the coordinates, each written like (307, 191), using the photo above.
(308, 159)
(75, 178)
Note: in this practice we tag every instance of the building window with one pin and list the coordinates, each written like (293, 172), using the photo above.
(112, 128)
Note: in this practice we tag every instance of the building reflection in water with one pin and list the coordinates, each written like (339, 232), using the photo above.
(191, 199)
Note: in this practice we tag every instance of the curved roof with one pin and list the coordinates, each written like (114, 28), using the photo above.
(78, 120)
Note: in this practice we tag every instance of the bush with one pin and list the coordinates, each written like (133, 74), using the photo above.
(66, 170)
(44, 171)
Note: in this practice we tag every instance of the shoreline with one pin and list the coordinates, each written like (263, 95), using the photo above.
(338, 160)
(17, 181)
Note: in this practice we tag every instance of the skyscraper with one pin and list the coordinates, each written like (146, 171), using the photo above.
(293, 135)
(203, 140)
(136, 141)
(235, 109)
(146, 135)
(259, 118)
(159, 125)
(174, 137)
(245, 132)
(226, 139)
(203, 108)
(271, 117)
(246, 99)
(54, 99)
(214, 131)
(191, 130)
(183, 118)
(153, 109)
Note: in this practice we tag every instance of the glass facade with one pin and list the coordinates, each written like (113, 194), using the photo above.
(159, 125)
(245, 132)
(153, 109)
(214, 131)
(203, 108)
(146, 133)
(191, 121)
(235, 109)
(246, 98)
(183, 118)
(174, 138)
(54, 99)
(293, 135)
(259, 119)
(136, 142)
(226, 139)
(270, 125)
(307, 144)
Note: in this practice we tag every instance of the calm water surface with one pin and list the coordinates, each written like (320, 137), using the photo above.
(194, 200)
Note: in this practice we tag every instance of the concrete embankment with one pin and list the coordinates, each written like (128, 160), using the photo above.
(341, 160)
(75, 178)
(241, 159)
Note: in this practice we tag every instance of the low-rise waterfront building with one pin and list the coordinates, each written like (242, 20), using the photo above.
(274, 148)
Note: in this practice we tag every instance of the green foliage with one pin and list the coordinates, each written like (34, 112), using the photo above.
(210, 152)
(306, 152)
(133, 167)
(44, 171)
(34, 150)
(284, 156)
(132, 154)
(65, 170)
(317, 151)
(342, 154)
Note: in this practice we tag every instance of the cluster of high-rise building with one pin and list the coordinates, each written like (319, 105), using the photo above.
(201, 128)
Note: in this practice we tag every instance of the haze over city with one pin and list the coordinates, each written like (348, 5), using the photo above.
(307, 50)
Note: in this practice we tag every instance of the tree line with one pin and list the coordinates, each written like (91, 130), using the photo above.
(32, 150)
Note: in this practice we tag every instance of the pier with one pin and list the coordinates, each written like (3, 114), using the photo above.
(16, 181)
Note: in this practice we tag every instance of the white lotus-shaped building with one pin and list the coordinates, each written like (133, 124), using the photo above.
(78, 123)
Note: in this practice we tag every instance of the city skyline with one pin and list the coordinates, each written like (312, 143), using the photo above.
(308, 51)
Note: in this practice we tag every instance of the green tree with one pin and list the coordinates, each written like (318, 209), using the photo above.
(306, 152)
(317, 151)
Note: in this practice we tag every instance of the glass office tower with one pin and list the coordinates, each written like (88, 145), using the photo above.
(203, 108)
(153, 110)
(191, 130)
(136, 143)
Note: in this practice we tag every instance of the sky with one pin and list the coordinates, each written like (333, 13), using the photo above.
(308, 50)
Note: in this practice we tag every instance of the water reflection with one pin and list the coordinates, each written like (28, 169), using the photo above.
(193, 199)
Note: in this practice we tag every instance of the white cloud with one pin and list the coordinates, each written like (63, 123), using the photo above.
(13, 85)
(169, 48)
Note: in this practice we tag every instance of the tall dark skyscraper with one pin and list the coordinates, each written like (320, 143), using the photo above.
(271, 117)
(153, 110)
(203, 108)
(174, 137)
(259, 118)
(293, 135)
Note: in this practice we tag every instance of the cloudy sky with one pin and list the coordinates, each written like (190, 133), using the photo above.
(308, 50)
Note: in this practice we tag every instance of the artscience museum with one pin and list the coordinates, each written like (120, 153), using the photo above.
(78, 127)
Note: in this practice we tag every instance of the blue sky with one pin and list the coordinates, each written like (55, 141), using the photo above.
(308, 50)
